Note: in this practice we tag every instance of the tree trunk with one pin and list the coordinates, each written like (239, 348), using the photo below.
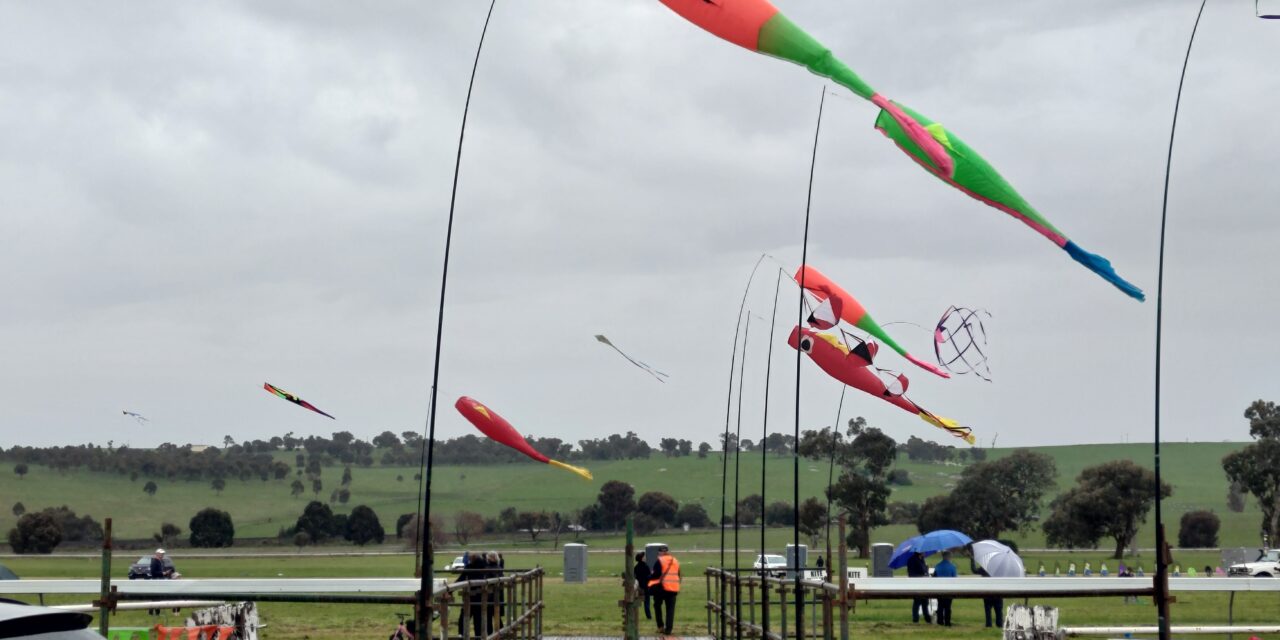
(1121, 543)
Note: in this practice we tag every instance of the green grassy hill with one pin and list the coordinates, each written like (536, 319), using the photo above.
(262, 508)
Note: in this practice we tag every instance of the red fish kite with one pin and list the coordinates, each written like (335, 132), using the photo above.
(837, 305)
(498, 429)
(294, 399)
(853, 367)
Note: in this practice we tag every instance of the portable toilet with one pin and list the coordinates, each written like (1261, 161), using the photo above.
(792, 561)
(651, 552)
(881, 553)
(575, 563)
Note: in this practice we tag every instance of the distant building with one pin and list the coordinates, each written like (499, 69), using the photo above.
(198, 448)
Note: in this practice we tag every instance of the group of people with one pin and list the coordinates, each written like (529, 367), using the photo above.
(659, 583)
(993, 608)
(486, 606)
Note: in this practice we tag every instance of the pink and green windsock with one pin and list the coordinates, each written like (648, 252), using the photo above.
(759, 26)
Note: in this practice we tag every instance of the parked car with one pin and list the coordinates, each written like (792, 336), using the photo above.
(456, 565)
(775, 565)
(1266, 566)
(141, 570)
(19, 620)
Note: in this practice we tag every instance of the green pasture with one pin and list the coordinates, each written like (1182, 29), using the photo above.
(260, 508)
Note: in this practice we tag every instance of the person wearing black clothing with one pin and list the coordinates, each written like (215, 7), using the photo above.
(476, 569)
(642, 575)
(664, 583)
(990, 605)
(916, 568)
(157, 571)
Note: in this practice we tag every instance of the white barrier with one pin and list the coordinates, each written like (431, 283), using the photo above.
(1075, 632)
(1030, 587)
(218, 585)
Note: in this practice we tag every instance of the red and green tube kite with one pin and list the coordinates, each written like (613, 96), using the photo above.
(759, 26)
(498, 429)
(853, 367)
(845, 307)
(281, 393)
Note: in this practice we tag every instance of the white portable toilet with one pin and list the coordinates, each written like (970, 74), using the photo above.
(792, 562)
(575, 563)
(651, 552)
(881, 553)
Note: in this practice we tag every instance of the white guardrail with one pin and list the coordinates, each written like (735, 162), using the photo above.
(200, 586)
(1031, 586)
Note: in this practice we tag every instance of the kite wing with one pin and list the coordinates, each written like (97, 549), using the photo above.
(136, 416)
(847, 308)
(658, 375)
(758, 26)
(294, 399)
(499, 430)
(960, 342)
(853, 369)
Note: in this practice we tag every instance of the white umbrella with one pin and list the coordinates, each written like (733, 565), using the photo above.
(999, 560)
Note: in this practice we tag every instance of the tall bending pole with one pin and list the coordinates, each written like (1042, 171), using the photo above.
(795, 454)
(427, 581)
(764, 429)
(831, 464)
(1162, 567)
(737, 483)
(728, 412)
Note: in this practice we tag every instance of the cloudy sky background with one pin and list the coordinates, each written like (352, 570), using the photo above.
(198, 198)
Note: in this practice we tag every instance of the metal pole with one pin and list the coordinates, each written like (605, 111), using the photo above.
(737, 476)
(844, 583)
(1162, 567)
(630, 623)
(795, 455)
(104, 608)
(427, 582)
(764, 428)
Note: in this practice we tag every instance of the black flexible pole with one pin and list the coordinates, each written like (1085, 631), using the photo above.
(1162, 568)
(795, 454)
(764, 429)
(831, 465)
(422, 477)
(737, 477)
(428, 560)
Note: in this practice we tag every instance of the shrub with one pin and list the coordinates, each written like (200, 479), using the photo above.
(211, 528)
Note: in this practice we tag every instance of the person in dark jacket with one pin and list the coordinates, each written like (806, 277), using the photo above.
(916, 568)
(642, 574)
(664, 583)
(992, 607)
(476, 569)
(158, 570)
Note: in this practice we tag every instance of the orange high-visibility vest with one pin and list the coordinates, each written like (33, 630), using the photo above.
(668, 574)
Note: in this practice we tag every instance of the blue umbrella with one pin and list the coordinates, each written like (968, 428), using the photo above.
(928, 544)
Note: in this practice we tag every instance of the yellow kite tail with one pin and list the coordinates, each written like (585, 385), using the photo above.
(953, 427)
(586, 475)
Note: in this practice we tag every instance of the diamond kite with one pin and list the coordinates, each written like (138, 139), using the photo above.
(758, 26)
(294, 399)
(498, 429)
(137, 417)
(658, 375)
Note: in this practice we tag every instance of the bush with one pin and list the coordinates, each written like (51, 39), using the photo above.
(212, 528)
(75, 529)
(401, 521)
(658, 505)
(35, 533)
(779, 514)
(646, 524)
(1198, 529)
(900, 477)
(317, 521)
(693, 515)
(363, 526)
(904, 512)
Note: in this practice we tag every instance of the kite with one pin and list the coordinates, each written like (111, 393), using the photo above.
(758, 26)
(837, 304)
(294, 399)
(853, 368)
(658, 375)
(959, 341)
(1257, 11)
(137, 417)
(498, 429)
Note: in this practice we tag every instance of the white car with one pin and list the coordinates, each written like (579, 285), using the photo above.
(770, 563)
(1266, 566)
(456, 565)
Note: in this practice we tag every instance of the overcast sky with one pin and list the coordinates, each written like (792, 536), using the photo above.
(200, 197)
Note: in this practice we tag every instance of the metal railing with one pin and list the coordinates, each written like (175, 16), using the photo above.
(508, 607)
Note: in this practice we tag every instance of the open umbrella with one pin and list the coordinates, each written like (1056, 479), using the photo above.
(999, 560)
(928, 544)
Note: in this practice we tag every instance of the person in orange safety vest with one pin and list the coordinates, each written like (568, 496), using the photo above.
(665, 586)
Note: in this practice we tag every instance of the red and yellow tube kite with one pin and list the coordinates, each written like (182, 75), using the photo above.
(845, 307)
(853, 367)
(758, 26)
(498, 429)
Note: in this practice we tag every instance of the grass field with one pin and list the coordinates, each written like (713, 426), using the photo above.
(262, 508)
(591, 609)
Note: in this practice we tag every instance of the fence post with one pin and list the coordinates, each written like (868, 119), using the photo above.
(630, 623)
(104, 608)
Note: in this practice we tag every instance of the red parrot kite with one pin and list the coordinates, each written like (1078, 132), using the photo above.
(853, 367)
(498, 429)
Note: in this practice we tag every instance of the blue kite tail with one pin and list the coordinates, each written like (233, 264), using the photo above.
(1102, 267)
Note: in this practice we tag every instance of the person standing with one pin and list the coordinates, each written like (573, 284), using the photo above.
(642, 575)
(665, 586)
(916, 568)
(944, 569)
(158, 570)
(992, 607)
